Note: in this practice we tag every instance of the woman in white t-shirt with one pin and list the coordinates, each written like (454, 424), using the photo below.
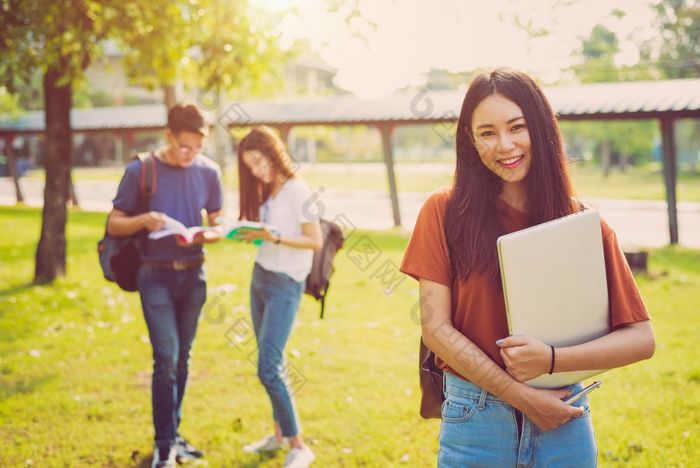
(271, 193)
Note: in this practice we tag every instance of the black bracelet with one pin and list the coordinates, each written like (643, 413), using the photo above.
(551, 367)
(279, 239)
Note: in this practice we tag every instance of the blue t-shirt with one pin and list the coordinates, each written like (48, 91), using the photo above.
(181, 193)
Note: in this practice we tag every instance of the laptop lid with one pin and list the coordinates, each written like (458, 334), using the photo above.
(554, 285)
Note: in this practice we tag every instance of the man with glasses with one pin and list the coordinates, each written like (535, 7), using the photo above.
(171, 280)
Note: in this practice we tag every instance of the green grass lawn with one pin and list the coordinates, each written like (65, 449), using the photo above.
(638, 183)
(75, 365)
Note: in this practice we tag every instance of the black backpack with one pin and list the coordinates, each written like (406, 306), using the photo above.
(318, 281)
(120, 257)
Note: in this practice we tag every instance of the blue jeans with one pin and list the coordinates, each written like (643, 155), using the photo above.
(479, 430)
(171, 302)
(274, 302)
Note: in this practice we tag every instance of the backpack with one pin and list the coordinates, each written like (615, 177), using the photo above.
(318, 281)
(120, 257)
(430, 377)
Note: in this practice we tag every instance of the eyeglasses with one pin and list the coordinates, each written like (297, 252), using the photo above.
(184, 149)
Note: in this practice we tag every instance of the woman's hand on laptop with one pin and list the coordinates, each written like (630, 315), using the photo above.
(525, 357)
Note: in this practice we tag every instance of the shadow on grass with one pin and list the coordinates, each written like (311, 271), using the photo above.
(16, 289)
(144, 462)
(9, 389)
(141, 460)
(249, 461)
(255, 460)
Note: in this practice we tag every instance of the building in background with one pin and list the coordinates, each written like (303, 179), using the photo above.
(107, 85)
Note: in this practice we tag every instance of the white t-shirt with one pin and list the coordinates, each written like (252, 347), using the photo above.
(286, 212)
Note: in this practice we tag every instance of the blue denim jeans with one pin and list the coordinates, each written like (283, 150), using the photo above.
(480, 430)
(171, 302)
(274, 302)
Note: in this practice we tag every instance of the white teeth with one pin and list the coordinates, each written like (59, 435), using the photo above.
(510, 161)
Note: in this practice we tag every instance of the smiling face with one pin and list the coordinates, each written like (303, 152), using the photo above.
(259, 166)
(502, 139)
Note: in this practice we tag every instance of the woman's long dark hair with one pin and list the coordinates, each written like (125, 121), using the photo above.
(253, 192)
(471, 219)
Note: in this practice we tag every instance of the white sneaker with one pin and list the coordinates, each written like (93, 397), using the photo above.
(266, 444)
(167, 461)
(299, 458)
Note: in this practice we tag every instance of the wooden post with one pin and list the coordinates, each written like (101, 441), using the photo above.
(670, 172)
(605, 157)
(118, 147)
(387, 131)
(127, 142)
(284, 133)
(12, 166)
(169, 96)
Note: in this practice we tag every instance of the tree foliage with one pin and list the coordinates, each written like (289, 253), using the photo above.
(629, 141)
(679, 48)
(9, 104)
(215, 45)
(58, 39)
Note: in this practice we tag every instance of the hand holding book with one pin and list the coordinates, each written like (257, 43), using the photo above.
(250, 231)
(186, 236)
(247, 231)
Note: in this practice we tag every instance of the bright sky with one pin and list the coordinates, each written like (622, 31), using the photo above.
(411, 36)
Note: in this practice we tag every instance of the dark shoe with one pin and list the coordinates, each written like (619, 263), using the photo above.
(185, 451)
(164, 458)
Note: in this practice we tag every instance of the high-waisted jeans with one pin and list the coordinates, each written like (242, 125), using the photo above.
(274, 302)
(480, 430)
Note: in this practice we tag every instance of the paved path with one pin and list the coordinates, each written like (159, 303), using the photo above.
(637, 223)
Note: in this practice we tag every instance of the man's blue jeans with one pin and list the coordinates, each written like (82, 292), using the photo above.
(274, 302)
(171, 302)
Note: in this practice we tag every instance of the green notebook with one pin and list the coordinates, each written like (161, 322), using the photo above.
(235, 228)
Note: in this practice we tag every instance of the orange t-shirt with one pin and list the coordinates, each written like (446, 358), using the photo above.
(478, 308)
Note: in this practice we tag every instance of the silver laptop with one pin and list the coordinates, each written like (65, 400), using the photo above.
(555, 287)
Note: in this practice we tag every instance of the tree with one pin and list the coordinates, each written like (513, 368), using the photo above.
(673, 53)
(631, 141)
(597, 59)
(233, 51)
(59, 38)
(10, 108)
(215, 45)
(156, 46)
(679, 57)
(679, 49)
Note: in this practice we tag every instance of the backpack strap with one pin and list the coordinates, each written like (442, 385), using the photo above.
(148, 181)
(322, 261)
(147, 187)
(323, 299)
